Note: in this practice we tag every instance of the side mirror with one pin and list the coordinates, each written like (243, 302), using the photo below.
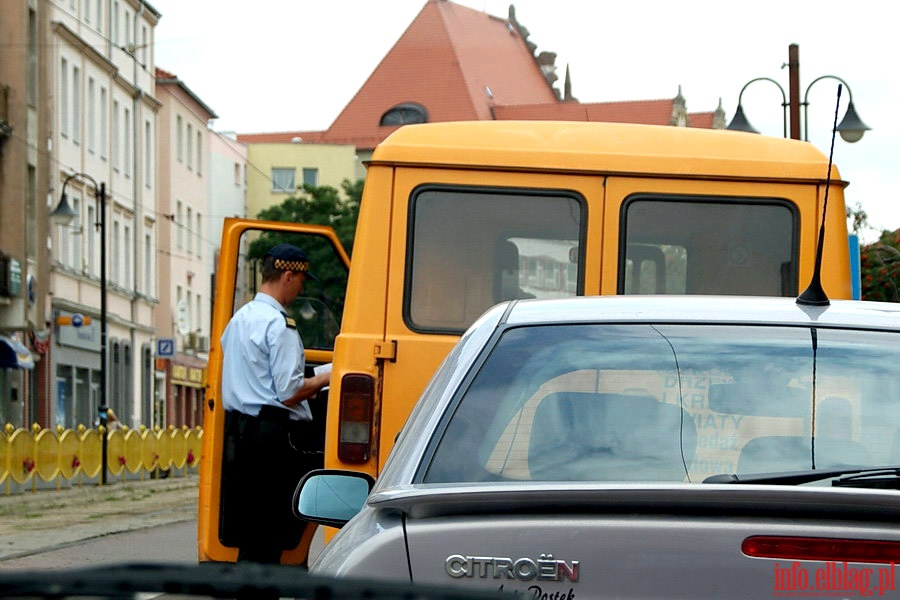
(331, 497)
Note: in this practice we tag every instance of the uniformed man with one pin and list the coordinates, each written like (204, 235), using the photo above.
(268, 421)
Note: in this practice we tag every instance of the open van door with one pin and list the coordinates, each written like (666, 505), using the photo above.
(318, 314)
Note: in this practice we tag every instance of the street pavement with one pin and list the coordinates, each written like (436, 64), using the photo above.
(34, 522)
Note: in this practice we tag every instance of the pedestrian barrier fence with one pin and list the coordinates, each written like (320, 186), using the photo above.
(76, 455)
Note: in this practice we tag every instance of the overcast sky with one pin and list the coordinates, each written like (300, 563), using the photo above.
(286, 65)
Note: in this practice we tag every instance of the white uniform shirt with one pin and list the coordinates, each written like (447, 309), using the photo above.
(262, 359)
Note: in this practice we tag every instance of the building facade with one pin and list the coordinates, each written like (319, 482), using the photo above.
(228, 195)
(103, 157)
(24, 127)
(184, 283)
(279, 169)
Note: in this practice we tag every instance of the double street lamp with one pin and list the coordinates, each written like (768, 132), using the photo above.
(851, 126)
(63, 215)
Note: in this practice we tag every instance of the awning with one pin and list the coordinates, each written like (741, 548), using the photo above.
(14, 355)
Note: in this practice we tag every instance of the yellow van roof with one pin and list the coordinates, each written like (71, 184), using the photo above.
(607, 148)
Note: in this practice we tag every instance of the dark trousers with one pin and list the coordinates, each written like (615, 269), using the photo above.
(264, 459)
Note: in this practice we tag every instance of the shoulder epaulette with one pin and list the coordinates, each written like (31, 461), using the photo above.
(291, 323)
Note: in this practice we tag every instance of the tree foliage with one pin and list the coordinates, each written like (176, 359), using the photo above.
(880, 268)
(315, 205)
(319, 311)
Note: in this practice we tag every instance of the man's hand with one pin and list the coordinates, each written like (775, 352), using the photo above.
(311, 387)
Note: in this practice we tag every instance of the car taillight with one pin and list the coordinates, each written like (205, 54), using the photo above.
(823, 549)
(355, 429)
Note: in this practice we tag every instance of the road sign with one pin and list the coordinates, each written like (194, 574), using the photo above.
(165, 347)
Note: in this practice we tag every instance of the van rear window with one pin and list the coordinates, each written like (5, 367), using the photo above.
(472, 248)
(678, 245)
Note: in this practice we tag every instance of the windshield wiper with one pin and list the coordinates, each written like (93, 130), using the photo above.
(217, 580)
(875, 477)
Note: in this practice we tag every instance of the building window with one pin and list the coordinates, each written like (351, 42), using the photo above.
(179, 239)
(32, 58)
(311, 177)
(31, 204)
(199, 237)
(147, 369)
(127, 148)
(188, 232)
(179, 139)
(64, 98)
(126, 283)
(148, 265)
(199, 153)
(148, 154)
(115, 377)
(91, 115)
(75, 226)
(76, 104)
(237, 174)
(90, 238)
(404, 114)
(116, 252)
(104, 124)
(189, 151)
(284, 180)
(116, 159)
(114, 24)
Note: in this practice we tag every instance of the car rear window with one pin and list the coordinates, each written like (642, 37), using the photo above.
(673, 403)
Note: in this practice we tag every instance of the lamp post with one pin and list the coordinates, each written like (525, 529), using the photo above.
(851, 126)
(63, 215)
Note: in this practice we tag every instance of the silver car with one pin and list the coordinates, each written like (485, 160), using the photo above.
(641, 447)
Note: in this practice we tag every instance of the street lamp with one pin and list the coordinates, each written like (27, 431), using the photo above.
(851, 126)
(63, 215)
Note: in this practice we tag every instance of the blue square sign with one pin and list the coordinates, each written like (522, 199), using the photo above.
(165, 347)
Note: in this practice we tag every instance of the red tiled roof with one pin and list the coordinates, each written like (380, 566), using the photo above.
(649, 112)
(281, 137)
(444, 61)
(703, 120)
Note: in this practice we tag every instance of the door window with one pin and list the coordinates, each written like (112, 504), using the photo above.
(472, 248)
(678, 245)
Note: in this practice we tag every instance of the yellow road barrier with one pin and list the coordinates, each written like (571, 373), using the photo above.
(30, 455)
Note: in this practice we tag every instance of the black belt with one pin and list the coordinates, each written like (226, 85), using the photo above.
(275, 414)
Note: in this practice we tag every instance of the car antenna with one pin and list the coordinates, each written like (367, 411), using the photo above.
(814, 294)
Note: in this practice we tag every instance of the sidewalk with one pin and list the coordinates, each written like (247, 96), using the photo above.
(33, 522)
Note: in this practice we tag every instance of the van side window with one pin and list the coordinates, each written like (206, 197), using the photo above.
(472, 248)
(696, 245)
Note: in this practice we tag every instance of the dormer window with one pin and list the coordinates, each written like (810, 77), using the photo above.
(405, 114)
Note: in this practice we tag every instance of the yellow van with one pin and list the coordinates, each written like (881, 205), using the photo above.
(456, 217)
